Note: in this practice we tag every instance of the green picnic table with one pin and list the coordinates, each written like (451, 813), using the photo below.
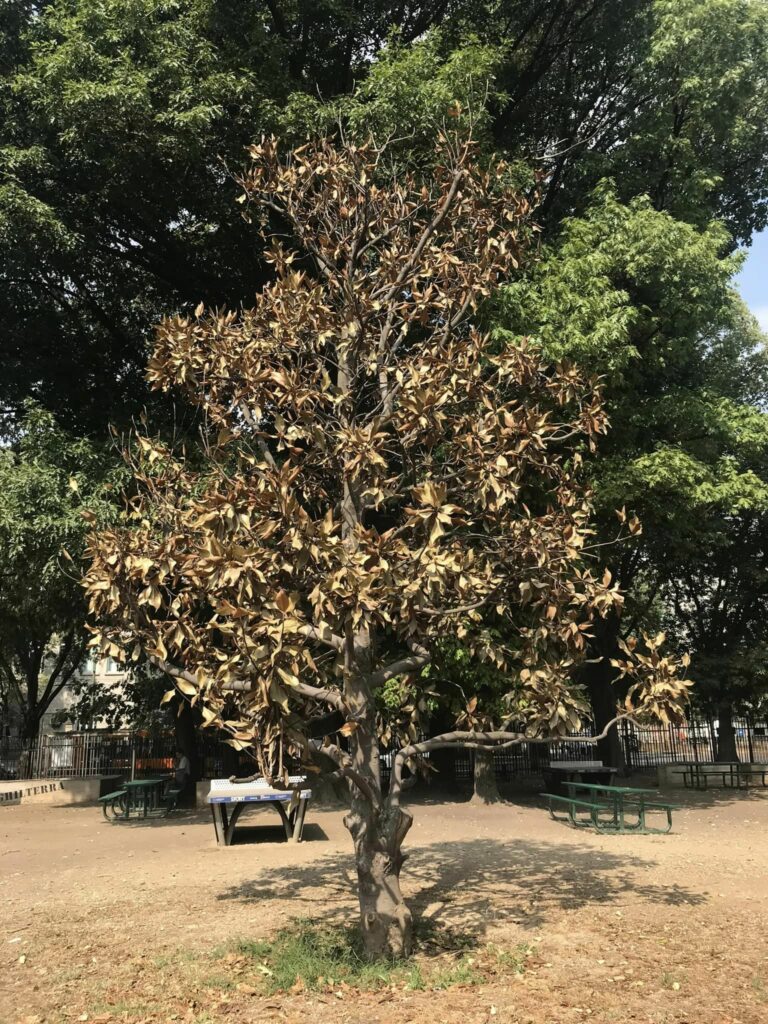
(138, 797)
(734, 774)
(614, 809)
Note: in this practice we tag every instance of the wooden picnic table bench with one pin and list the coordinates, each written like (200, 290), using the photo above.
(608, 808)
(228, 797)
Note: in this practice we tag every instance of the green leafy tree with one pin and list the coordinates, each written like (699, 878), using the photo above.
(48, 479)
(119, 117)
(648, 302)
(718, 599)
(475, 692)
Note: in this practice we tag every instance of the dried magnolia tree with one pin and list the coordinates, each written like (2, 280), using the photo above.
(376, 476)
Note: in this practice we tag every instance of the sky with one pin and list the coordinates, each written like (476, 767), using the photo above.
(753, 279)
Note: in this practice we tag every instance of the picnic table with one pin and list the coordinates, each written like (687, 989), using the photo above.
(698, 774)
(614, 809)
(140, 797)
(228, 798)
(559, 773)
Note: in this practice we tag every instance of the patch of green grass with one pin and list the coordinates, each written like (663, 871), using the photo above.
(510, 959)
(414, 979)
(464, 972)
(317, 957)
(321, 957)
(217, 981)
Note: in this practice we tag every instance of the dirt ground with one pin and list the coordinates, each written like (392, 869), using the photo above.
(127, 922)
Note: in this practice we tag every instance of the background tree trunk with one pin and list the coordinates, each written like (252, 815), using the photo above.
(484, 775)
(726, 735)
(185, 736)
(599, 678)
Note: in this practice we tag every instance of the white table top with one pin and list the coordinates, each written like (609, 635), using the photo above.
(224, 791)
(575, 765)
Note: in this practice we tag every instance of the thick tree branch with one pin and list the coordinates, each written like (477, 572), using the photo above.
(401, 667)
(332, 697)
(346, 770)
(331, 640)
(492, 740)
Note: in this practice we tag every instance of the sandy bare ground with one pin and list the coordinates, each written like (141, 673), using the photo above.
(131, 922)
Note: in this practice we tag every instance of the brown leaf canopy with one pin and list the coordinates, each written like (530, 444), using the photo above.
(377, 470)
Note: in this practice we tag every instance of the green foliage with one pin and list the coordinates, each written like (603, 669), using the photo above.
(135, 704)
(647, 301)
(48, 479)
(622, 283)
(119, 119)
(668, 97)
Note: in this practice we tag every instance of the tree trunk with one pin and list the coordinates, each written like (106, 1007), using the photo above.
(386, 923)
(484, 773)
(600, 680)
(30, 726)
(442, 762)
(185, 736)
(726, 735)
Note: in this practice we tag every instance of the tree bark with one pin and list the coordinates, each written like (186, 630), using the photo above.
(185, 736)
(726, 735)
(486, 791)
(30, 726)
(386, 923)
(599, 678)
(377, 830)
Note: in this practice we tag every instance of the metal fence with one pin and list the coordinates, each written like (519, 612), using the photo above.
(642, 748)
(70, 755)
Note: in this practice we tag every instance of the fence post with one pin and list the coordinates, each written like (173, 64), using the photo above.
(133, 760)
(627, 746)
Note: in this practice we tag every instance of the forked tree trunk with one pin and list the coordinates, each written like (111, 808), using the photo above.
(484, 774)
(385, 921)
(726, 735)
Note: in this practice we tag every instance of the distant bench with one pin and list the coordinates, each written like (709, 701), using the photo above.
(732, 774)
(142, 798)
(557, 774)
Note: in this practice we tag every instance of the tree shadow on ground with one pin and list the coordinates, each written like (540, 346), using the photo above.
(471, 884)
(255, 835)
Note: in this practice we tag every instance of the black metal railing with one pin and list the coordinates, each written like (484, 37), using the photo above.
(696, 741)
(139, 754)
